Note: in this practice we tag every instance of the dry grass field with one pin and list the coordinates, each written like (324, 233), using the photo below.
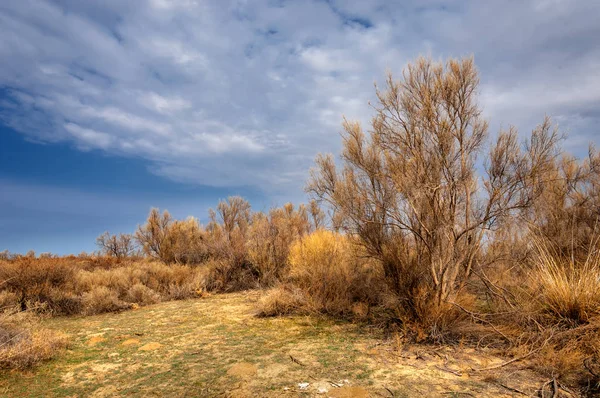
(216, 347)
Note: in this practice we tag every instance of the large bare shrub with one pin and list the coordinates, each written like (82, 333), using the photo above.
(227, 235)
(270, 237)
(153, 236)
(410, 192)
(173, 241)
(119, 246)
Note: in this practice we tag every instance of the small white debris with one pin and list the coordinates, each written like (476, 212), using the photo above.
(322, 390)
(303, 386)
(286, 388)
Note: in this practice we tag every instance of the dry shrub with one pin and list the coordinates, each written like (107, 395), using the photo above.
(330, 272)
(93, 262)
(142, 295)
(93, 284)
(23, 343)
(151, 282)
(270, 237)
(102, 299)
(225, 276)
(409, 190)
(283, 300)
(34, 280)
(8, 300)
(172, 241)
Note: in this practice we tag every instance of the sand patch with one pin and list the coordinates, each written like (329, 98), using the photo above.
(150, 346)
(130, 342)
(104, 367)
(243, 370)
(95, 340)
(349, 392)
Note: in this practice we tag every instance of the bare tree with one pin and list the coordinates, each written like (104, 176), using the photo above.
(153, 236)
(410, 192)
(119, 246)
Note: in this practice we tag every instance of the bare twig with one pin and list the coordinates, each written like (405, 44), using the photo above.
(512, 389)
(479, 318)
(587, 366)
(296, 361)
(530, 353)
(454, 372)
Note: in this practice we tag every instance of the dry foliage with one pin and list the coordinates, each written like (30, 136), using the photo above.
(24, 344)
(567, 290)
(34, 281)
(333, 275)
(409, 191)
(72, 285)
(270, 237)
(172, 241)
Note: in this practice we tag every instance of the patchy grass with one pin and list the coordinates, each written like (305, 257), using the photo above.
(217, 347)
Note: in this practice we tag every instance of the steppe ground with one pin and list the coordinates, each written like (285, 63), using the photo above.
(215, 346)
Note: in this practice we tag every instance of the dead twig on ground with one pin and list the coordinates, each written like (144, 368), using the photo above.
(530, 353)
(509, 388)
(445, 369)
(296, 361)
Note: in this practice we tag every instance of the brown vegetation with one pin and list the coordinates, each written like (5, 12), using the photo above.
(23, 343)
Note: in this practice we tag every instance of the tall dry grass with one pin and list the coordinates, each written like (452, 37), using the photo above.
(567, 290)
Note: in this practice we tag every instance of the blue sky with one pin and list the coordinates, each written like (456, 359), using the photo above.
(110, 107)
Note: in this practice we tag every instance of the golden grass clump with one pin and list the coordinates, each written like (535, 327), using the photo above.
(332, 274)
(283, 300)
(567, 290)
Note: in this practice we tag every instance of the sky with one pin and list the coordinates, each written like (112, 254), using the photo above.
(111, 107)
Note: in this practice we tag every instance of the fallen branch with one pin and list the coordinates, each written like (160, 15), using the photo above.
(454, 372)
(296, 361)
(511, 389)
(517, 359)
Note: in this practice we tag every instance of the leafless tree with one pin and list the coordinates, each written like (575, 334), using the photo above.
(119, 246)
(153, 236)
(410, 193)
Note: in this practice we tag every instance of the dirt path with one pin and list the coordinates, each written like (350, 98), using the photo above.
(215, 347)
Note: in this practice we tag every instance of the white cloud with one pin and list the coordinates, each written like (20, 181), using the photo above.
(237, 92)
(88, 137)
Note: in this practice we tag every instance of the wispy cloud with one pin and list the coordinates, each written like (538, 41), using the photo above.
(230, 93)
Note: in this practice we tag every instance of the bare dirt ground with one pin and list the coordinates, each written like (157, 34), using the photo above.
(215, 347)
